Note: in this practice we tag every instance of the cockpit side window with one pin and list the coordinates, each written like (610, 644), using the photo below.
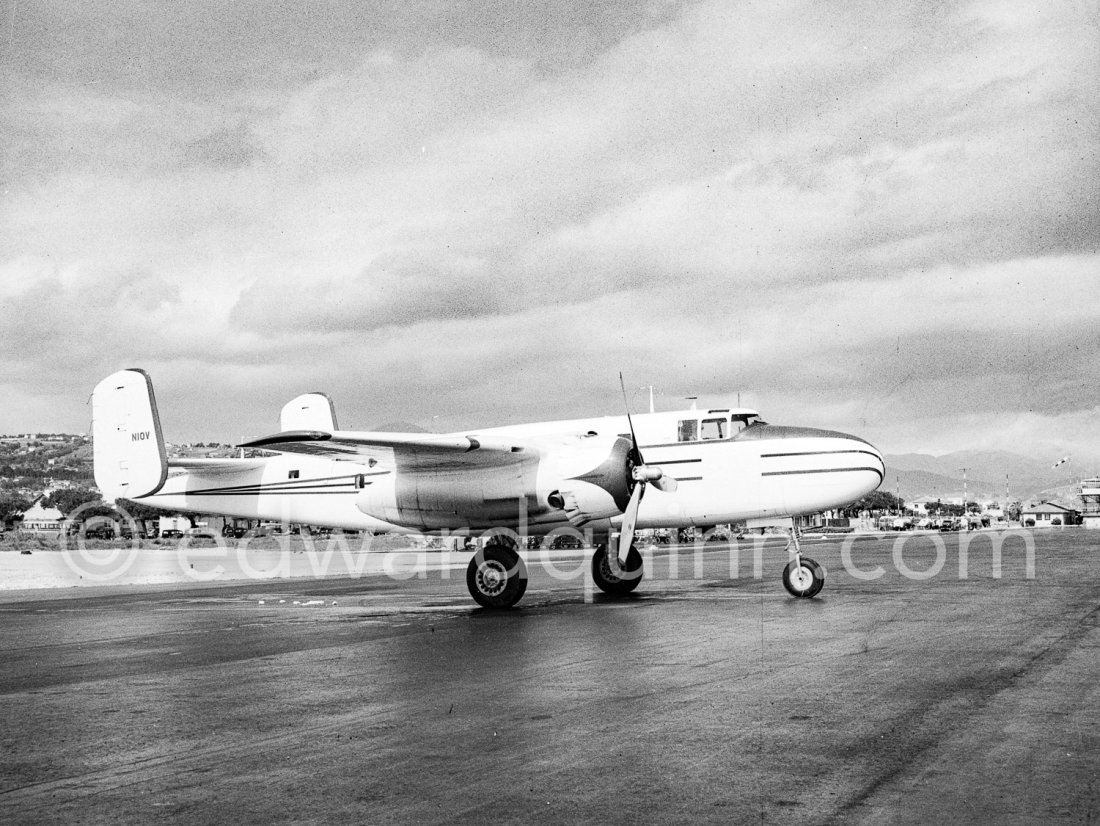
(715, 428)
(688, 430)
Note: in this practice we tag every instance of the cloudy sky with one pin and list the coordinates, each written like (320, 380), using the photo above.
(876, 217)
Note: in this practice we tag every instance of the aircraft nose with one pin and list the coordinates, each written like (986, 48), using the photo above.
(818, 469)
(868, 459)
(873, 451)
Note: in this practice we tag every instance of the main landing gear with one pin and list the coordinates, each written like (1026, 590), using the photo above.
(802, 577)
(497, 576)
(610, 576)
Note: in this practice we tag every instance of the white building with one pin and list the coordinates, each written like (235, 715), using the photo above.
(921, 506)
(1048, 513)
(40, 519)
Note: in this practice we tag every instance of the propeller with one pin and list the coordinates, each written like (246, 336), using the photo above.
(641, 474)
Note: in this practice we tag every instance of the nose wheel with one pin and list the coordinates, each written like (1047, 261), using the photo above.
(802, 577)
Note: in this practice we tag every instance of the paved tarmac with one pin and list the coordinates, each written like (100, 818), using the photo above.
(703, 698)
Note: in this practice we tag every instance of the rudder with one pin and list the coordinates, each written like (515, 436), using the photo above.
(128, 452)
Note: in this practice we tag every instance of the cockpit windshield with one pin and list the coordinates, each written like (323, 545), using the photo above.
(714, 425)
(741, 422)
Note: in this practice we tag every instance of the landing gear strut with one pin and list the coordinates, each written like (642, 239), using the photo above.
(613, 578)
(802, 577)
(496, 576)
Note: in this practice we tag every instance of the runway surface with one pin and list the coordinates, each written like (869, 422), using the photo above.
(704, 698)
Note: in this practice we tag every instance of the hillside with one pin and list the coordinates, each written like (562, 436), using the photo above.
(920, 475)
(30, 465)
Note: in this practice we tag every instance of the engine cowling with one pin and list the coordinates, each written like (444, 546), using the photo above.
(580, 480)
(588, 481)
(467, 498)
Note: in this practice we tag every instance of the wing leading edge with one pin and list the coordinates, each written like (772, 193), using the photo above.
(414, 451)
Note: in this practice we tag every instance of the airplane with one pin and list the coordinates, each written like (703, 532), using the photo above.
(607, 476)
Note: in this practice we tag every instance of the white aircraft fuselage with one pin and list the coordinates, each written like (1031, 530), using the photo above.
(700, 468)
(760, 471)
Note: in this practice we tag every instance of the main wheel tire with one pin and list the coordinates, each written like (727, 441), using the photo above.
(613, 578)
(496, 577)
(805, 580)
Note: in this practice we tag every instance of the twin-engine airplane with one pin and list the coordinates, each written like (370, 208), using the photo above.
(705, 467)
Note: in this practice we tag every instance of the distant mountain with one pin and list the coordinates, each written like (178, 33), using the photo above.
(917, 484)
(920, 475)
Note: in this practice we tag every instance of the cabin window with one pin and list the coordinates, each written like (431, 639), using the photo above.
(688, 431)
(292, 474)
(715, 428)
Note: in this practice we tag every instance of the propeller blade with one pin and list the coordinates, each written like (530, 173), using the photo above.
(633, 439)
(640, 474)
(630, 519)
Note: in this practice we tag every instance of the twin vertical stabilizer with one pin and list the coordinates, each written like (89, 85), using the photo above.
(127, 444)
(310, 411)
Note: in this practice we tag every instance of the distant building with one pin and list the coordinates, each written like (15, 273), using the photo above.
(1090, 502)
(1048, 513)
(921, 506)
(39, 519)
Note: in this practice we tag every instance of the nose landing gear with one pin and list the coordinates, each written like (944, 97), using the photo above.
(802, 577)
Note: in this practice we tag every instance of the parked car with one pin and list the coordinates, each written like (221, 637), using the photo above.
(201, 532)
(566, 541)
(127, 531)
(172, 527)
(102, 530)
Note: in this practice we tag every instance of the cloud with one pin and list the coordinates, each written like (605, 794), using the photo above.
(854, 216)
(224, 147)
(393, 291)
(91, 314)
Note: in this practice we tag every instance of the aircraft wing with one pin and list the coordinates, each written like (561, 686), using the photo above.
(409, 451)
(217, 466)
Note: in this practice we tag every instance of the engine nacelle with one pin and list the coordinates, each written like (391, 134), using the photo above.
(587, 480)
(456, 499)
(580, 480)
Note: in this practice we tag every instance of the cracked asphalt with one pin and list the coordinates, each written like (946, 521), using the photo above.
(703, 698)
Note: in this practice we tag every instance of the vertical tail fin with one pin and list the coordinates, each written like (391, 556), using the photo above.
(127, 444)
(310, 411)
